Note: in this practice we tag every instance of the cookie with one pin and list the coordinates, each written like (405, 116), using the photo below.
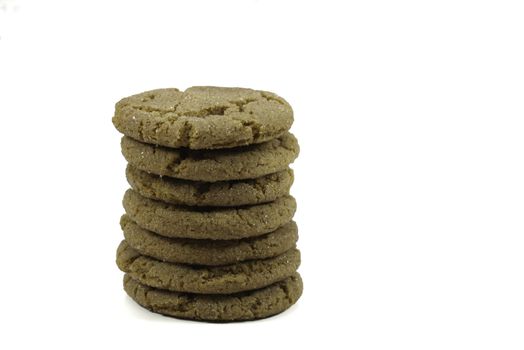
(215, 165)
(251, 305)
(222, 194)
(247, 275)
(209, 252)
(204, 223)
(203, 117)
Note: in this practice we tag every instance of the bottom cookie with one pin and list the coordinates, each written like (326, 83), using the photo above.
(252, 305)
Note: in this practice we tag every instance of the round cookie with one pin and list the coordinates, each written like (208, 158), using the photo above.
(247, 275)
(251, 305)
(202, 223)
(209, 252)
(240, 163)
(203, 117)
(221, 194)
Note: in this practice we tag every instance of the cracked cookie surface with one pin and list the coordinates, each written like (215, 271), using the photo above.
(240, 163)
(203, 117)
(209, 252)
(222, 194)
(226, 279)
(251, 305)
(204, 223)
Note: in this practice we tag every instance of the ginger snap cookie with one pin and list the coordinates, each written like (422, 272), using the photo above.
(243, 306)
(247, 275)
(209, 252)
(240, 163)
(203, 117)
(221, 194)
(205, 223)
(208, 224)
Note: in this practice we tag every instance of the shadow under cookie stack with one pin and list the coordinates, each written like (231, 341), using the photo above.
(208, 220)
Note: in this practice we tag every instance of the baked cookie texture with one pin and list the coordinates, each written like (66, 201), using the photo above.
(209, 252)
(220, 194)
(208, 223)
(203, 117)
(247, 275)
(251, 305)
(213, 165)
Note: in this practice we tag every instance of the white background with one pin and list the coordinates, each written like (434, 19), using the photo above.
(410, 182)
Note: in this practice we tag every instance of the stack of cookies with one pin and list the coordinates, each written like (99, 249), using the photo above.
(208, 219)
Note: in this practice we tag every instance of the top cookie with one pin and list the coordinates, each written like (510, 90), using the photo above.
(203, 117)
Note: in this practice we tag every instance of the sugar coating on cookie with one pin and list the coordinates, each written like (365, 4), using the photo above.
(203, 117)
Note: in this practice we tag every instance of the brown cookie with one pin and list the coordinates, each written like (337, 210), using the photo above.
(240, 163)
(208, 223)
(203, 117)
(221, 194)
(209, 252)
(227, 279)
(251, 305)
